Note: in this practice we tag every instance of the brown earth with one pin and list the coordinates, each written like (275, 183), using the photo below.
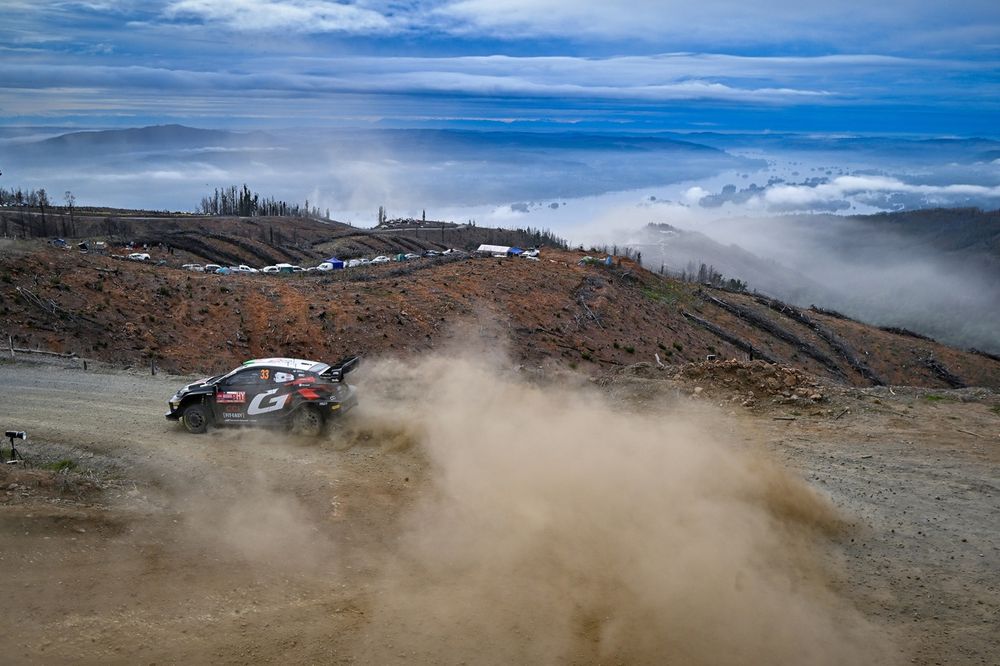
(492, 505)
(470, 514)
(553, 312)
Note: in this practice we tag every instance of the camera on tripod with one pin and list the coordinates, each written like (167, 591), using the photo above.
(15, 457)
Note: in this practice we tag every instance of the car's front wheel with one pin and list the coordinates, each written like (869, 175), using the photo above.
(195, 418)
(308, 421)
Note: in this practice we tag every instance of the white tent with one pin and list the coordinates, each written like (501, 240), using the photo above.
(493, 249)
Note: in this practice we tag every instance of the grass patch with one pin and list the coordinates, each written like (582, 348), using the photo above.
(669, 293)
(65, 465)
(995, 409)
(933, 397)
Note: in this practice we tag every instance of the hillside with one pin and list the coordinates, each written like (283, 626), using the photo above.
(555, 311)
(933, 271)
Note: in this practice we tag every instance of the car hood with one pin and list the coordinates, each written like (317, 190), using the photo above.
(195, 385)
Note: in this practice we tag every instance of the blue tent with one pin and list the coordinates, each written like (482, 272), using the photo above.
(515, 251)
(337, 264)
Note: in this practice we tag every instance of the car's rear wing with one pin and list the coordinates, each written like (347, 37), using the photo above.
(337, 370)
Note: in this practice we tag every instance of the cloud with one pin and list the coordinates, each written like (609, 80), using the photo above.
(303, 16)
(641, 78)
(882, 192)
(558, 60)
(842, 26)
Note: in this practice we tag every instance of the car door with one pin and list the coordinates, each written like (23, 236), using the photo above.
(273, 395)
(235, 394)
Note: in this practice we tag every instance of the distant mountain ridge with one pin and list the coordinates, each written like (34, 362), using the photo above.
(146, 138)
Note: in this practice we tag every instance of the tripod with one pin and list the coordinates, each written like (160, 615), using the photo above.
(15, 457)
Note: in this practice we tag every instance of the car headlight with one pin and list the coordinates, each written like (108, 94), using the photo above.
(174, 404)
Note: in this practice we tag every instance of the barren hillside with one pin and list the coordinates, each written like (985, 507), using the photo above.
(586, 317)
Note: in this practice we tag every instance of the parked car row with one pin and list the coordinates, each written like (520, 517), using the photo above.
(329, 265)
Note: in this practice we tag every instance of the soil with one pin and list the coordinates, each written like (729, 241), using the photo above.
(549, 313)
(126, 540)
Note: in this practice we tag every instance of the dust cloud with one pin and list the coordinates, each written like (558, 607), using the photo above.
(556, 527)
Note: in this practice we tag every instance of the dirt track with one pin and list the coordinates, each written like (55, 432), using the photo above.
(245, 547)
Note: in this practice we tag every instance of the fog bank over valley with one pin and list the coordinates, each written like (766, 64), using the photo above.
(779, 211)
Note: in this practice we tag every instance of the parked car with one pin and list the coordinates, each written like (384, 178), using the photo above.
(432, 253)
(270, 269)
(139, 256)
(325, 266)
(411, 255)
(197, 268)
(381, 259)
(243, 268)
(211, 268)
(301, 394)
(354, 263)
(223, 270)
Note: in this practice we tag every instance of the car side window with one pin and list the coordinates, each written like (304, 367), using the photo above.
(281, 376)
(245, 378)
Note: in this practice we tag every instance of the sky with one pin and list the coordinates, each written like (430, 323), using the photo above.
(899, 66)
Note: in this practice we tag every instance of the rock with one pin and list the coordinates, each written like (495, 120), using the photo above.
(698, 390)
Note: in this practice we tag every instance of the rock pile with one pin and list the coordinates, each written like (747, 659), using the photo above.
(750, 382)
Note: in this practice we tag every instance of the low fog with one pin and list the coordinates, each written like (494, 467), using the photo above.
(347, 171)
(933, 272)
(752, 200)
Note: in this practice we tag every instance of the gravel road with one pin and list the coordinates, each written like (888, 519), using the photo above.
(247, 546)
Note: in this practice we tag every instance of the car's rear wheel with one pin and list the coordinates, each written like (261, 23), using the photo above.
(308, 421)
(195, 418)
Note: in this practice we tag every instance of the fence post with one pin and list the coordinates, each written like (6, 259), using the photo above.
(152, 365)
(10, 341)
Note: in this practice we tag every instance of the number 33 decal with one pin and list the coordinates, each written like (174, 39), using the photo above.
(274, 402)
(265, 374)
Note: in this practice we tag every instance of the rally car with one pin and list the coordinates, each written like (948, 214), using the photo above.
(290, 392)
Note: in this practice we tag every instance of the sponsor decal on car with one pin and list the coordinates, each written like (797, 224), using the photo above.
(225, 397)
(275, 402)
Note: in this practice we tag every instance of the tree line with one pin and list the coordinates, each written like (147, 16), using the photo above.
(244, 202)
(50, 220)
(706, 274)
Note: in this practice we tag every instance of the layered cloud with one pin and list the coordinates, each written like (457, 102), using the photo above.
(61, 87)
(665, 63)
(899, 25)
(846, 192)
(305, 16)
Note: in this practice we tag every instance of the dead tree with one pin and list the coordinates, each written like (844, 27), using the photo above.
(773, 329)
(835, 341)
(726, 336)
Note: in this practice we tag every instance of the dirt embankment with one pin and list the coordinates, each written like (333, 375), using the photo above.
(471, 513)
(555, 313)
